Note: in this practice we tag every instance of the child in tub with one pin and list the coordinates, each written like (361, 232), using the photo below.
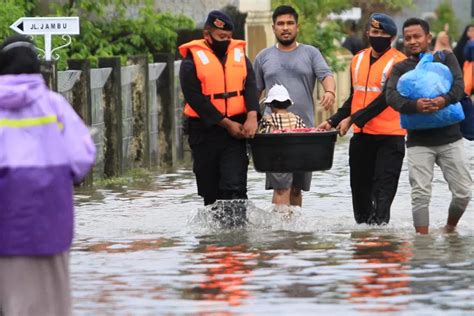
(281, 119)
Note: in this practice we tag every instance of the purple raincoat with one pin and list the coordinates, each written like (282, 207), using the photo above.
(44, 148)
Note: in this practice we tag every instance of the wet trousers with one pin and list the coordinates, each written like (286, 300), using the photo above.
(375, 165)
(451, 158)
(220, 164)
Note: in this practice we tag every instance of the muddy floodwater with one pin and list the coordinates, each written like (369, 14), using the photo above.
(153, 250)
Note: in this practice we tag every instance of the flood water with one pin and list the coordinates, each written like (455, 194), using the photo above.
(151, 250)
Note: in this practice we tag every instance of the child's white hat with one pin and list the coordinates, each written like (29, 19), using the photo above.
(278, 93)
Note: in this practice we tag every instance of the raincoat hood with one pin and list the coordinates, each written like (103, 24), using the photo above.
(17, 91)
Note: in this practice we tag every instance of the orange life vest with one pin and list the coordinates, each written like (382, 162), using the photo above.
(367, 82)
(467, 70)
(224, 84)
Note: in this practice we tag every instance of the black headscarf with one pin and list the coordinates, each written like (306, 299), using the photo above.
(459, 49)
(18, 56)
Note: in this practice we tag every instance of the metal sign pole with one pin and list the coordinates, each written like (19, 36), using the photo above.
(47, 47)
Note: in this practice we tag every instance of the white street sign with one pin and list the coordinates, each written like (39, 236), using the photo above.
(47, 25)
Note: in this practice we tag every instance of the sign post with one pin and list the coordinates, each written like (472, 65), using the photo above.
(48, 26)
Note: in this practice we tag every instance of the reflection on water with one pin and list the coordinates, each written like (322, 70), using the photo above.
(224, 276)
(155, 251)
(383, 259)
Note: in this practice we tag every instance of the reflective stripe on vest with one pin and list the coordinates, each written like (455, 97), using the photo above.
(223, 84)
(371, 89)
(367, 83)
(28, 122)
(359, 60)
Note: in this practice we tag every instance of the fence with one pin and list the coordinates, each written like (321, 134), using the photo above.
(136, 111)
(123, 106)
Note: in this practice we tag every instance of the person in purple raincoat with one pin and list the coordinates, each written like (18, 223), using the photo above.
(44, 148)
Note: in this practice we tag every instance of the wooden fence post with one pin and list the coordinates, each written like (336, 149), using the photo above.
(113, 118)
(140, 104)
(167, 123)
(81, 95)
(49, 71)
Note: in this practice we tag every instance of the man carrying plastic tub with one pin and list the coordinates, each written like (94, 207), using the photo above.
(441, 145)
(377, 148)
(219, 87)
(297, 67)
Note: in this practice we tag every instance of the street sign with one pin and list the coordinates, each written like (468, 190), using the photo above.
(48, 26)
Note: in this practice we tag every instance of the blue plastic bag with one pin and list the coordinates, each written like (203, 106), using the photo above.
(428, 80)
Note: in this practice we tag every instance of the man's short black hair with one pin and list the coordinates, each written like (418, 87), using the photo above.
(284, 9)
(417, 21)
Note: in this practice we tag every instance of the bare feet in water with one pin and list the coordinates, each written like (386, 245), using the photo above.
(448, 229)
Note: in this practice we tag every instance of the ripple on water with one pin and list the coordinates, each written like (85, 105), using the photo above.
(157, 251)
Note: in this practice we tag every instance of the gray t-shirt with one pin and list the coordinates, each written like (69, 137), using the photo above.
(297, 70)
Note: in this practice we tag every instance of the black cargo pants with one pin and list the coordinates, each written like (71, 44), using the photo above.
(375, 165)
(220, 163)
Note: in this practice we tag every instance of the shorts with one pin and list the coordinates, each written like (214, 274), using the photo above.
(297, 180)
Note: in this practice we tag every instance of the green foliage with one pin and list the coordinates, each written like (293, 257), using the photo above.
(315, 28)
(133, 177)
(104, 34)
(107, 28)
(10, 11)
(446, 15)
(385, 6)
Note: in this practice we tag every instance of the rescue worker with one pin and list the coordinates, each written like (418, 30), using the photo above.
(377, 147)
(218, 84)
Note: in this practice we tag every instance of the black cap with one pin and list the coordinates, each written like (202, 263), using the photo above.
(383, 22)
(219, 20)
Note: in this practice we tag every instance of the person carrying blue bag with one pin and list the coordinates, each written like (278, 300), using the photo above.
(427, 81)
(441, 144)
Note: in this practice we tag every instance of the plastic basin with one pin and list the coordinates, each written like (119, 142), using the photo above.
(293, 152)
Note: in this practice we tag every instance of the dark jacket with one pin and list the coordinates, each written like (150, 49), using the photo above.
(435, 136)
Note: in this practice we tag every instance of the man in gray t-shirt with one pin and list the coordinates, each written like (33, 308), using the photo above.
(296, 67)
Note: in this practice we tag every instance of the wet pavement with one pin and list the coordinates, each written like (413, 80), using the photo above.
(153, 250)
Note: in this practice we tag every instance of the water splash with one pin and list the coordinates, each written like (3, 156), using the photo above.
(244, 214)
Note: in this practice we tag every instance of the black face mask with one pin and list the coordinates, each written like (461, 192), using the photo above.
(219, 47)
(380, 44)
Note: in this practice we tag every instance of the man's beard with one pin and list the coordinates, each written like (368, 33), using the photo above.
(287, 42)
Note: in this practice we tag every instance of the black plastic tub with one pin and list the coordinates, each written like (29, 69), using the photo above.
(293, 152)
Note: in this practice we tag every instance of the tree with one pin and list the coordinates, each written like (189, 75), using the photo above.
(445, 15)
(10, 11)
(104, 34)
(106, 28)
